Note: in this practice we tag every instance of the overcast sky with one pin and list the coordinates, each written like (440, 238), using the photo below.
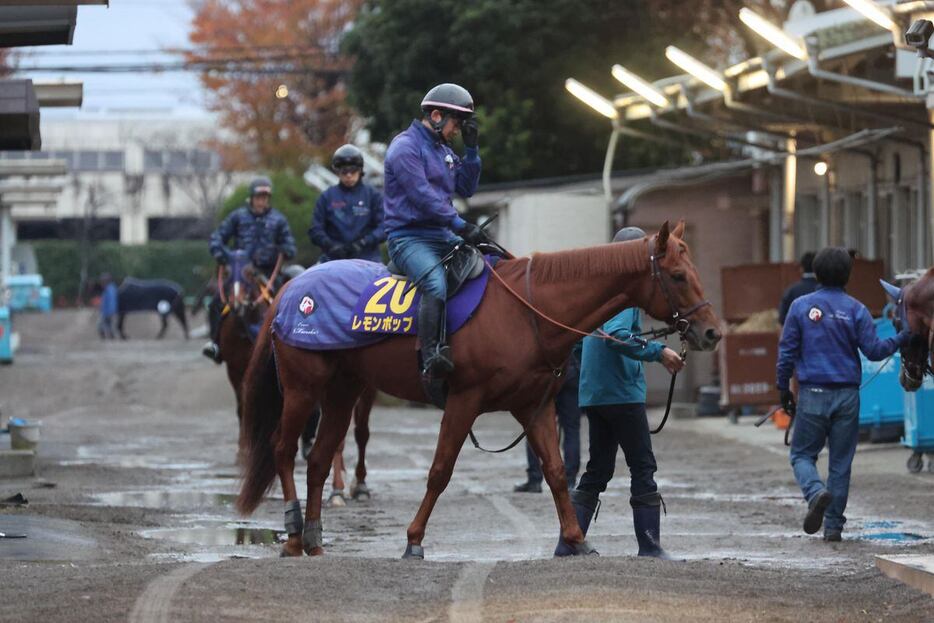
(105, 35)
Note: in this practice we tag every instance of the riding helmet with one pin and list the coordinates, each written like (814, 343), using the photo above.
(347, 156)
(260, 186)
(628, 233)
(450, 98)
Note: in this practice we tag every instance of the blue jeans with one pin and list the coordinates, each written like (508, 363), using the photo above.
(569, 421)
(619, 426)
(828, 416)
(418, 258)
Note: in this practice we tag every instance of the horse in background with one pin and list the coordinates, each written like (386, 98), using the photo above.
(914, 310)
(506, 360)
(159, 295)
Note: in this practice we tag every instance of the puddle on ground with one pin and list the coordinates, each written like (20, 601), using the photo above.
(224, 535)
(896, 537)
(166, 499)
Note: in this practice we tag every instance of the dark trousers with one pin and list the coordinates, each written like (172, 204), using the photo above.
(619, 426)
(569, 421)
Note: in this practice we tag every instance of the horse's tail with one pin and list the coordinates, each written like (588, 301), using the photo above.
(262, 410)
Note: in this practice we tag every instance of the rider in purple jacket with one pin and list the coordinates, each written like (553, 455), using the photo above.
(422, 173)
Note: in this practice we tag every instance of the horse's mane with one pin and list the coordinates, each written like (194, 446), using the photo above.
(605, 259)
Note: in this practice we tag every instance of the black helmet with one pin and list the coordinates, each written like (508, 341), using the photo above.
(448, 97)
(261, 185)
(347, 156)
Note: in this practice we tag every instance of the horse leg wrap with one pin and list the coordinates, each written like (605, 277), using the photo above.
(293, 517)
(312, 536)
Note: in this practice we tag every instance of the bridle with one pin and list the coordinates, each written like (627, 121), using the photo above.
(679, 322)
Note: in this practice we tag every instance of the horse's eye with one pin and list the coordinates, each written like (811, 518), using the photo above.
(681, 277)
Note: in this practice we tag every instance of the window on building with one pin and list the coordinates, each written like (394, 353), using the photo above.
(88, 161)
(177, 161)
(112, 160)
(807, 224)
(152, 160)
(855, 235)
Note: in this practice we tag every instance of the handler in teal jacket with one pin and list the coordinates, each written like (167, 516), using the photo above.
(612, 393)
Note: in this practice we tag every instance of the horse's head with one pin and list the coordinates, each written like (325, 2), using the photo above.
(914, 355)
(677, 296)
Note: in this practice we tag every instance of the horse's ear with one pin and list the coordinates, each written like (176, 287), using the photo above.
(894, 292)
(661, 240)
(678, 231)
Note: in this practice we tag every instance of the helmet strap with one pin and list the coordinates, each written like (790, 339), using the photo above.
(439, 126)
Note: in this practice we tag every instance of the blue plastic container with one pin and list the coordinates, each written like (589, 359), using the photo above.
(24, 291)
(6, 336)
(45, 299)
(919, 417)
(881, 401)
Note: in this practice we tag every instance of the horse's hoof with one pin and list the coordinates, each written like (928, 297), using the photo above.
(337, 500)
(360, 492)
(414, 551)
(290, 550)
(316, 551)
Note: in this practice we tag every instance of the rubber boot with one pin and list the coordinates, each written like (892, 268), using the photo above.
(436, 355)
(585, 505)
(211, 350)
(646, 520)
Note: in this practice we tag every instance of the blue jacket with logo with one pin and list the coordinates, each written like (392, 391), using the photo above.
(344, 215)
(821, 338)
(611, 373)
(263, 236)
(421, 175)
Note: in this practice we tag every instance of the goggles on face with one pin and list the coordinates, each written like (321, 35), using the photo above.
(348, 170)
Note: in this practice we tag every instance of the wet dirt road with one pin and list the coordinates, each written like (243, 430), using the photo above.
(131, 517)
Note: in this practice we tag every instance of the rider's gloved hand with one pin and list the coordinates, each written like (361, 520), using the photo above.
(473, 234)
(221, 258)
(470, 132)
(355, 248)
(904, 337)
(338, 251)
(788, 402)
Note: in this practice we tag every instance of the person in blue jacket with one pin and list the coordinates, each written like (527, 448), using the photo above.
(612, 394)
(348, 218)
(259, 229)
(108, 309)
(422, 173)
(820, 341)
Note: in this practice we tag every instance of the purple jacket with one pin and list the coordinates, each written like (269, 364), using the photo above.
(422, 174)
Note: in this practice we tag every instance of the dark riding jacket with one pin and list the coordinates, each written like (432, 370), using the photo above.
(421, 175)
(345, 215)
(263, 237)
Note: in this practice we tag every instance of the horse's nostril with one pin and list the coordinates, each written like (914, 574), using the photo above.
(712, 334)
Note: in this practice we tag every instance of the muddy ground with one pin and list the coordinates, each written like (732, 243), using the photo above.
(131, 518)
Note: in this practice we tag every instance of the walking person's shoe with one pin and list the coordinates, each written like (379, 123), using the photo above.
(529, 486)
(833, 536)
(585, 505)
(212, 351)
(816, 509)
(646, 521)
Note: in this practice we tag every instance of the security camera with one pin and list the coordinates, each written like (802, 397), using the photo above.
(918, 35)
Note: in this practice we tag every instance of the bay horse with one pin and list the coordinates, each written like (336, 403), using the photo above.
(153, 295)
(914, 310)
(246, 296)
(505, 358)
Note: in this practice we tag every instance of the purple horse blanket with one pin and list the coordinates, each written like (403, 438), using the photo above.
(354, 303)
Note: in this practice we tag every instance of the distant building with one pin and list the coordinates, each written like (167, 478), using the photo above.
(131, 179)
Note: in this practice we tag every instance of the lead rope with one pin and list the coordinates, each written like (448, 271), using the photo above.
(671, 392)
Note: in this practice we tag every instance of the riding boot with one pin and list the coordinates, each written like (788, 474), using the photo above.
(646, 520)
(211, 350)
(436, 355)
(585, 505)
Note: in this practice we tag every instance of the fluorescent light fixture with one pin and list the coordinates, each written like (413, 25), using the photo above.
(640, 86)
(772, 33)
(590, 97)
(696, 68)
(873, 13)
(820, 168)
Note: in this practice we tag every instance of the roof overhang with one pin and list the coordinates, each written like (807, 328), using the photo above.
(36, 25)
(19, 116)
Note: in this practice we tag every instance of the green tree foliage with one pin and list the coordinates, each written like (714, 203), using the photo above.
(514, 57)
(295, 199)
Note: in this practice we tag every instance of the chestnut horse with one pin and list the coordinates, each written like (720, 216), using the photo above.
(914, 309)
(505, 361)
(246, 299)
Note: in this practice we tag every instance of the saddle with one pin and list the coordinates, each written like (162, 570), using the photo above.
(464, 264)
